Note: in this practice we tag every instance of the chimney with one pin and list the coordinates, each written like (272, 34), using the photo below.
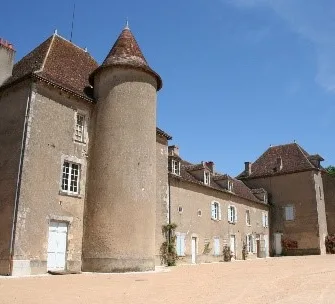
(316, 160)
(279, 163)
(247, 168)
(210, 166)
(7, 53)
(173, 151)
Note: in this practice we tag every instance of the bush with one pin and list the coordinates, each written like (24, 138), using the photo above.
(330, 244)
(244, 251)
(227, 254)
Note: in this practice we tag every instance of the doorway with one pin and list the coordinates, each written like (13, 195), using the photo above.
(57, 248)
(194, 250)
(233, 245)
(277, 243)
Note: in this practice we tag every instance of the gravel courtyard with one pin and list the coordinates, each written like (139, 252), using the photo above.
(308, 279)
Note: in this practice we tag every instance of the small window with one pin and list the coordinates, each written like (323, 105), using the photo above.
(79, 131)
(230, 186)
(232, 214)
(320, 193)
(216, 246)
(216, 211)
(250, 243)
(180, 244)
(206, 178)
(265, 219)
(180, 209)
(70, 178)
(175, 167)
(289, 213)
(199, 212)
(247, 217)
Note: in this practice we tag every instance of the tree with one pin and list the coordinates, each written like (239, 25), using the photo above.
(331, 170)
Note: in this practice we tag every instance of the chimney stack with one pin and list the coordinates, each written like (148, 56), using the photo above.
(247, 168)
(173, 151)
(7, 53)
(210, 166)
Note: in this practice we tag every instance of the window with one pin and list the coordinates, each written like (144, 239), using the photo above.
(216, 211)
(289, 213)
(79, 131)
(320, 193)
(180, 244)
(180, 209)
(232, 214)
(216, 246)
(247, 217)
(70, 178)
(250, 243)
(175, 167)
(199, 212)
(230, 186)
(265, 220)
(206, 178)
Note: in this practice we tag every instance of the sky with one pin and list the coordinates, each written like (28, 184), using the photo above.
(238, 75)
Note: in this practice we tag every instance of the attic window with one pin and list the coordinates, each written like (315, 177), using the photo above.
(230, 186)
(175, 167)
(206, 178)
(180, 209)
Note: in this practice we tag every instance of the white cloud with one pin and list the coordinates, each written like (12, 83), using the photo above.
(313, 20)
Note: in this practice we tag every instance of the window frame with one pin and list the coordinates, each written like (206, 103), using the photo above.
(207, 178)
(69, 178)
(82, 139)
(216, 211)
(250, 243)
(232, 217)
(175, 170)
(293, 213)
(230, 186)
(265, 219)
(247, 217)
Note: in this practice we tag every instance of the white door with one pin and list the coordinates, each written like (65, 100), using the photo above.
(266, 239)
(277, 239)
(57, 246)
(194, 249)
(232, 245)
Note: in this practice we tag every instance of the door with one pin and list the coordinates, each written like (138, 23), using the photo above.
(232, 245)
(194, 249)
(57, 246)
(277, 240)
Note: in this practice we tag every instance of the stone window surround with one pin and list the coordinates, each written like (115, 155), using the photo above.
(293, 213)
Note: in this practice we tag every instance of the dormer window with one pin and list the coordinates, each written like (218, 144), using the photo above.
(230, 186)
(175, 167)
(206, 178)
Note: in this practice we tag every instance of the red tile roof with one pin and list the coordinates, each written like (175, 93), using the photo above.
(293, 157)
(59, 61)
(127, 53)
(240, 189)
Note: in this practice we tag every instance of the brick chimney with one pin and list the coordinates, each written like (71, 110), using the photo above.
(247, 168)
(7, 54)
(173, 151)
(210, 166)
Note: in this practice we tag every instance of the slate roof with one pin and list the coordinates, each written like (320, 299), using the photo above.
(60, 62)
(127, 53)
(294, 159)
(240, 189)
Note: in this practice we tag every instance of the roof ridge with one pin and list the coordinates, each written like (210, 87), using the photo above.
(302, 151)
(47, 54)
(77, 46)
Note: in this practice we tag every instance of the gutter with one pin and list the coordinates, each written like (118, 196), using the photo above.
(18, 181)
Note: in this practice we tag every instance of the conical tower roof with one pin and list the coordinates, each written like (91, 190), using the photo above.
(127, 53)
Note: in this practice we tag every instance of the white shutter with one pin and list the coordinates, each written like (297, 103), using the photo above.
(235, 213)
(263, 219)
(178, 244)
(182, 245)
(213, 210)
(229, 214)
(254, 245)
(219, 211)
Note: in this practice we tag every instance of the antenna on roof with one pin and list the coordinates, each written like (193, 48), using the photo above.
(127, 24)
(74, 10)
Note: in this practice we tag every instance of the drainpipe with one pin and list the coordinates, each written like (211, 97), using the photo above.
(18, 181)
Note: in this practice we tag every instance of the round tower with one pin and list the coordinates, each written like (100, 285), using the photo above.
(119, 227)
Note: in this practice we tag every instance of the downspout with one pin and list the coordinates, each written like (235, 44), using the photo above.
(18, 181)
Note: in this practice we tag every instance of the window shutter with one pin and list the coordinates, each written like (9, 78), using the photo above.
(219, 211)
(229, 214)
(235, 213)
(178, 244)
(254, 245)
(213, 210)
(182, 245)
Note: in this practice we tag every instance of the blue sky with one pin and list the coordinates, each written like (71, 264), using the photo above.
(238, 75)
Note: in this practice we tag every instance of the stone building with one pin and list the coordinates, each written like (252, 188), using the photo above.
(87, 180)
(298, 201)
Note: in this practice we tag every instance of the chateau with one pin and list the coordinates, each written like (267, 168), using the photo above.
(87, 180)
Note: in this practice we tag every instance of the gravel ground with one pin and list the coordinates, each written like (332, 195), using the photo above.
(309, 279)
